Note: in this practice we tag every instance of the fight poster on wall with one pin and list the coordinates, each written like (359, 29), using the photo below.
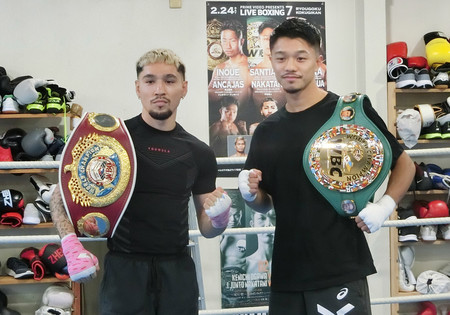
(242, 88)
(246, 259)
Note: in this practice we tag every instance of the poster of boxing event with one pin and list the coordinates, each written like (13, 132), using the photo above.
(242, 88)
(246, 259)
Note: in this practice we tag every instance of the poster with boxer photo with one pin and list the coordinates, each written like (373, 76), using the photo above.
(240, 74)
(246, 259)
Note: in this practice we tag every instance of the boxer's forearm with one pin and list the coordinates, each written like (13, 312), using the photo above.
(59, 215)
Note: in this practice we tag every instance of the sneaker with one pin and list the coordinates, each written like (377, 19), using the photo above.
(441, 80)
(445, 130)
(10, 105)
(444, 231)
(407, 233)
(56, 100)
(406, 80)
(43, 208)
(431, 132)
(423, 79)
(428, 232)
(18, 268)
(33, 216)
(38, 106)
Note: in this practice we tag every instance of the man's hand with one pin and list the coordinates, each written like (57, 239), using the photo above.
(249, 183)
(217, 207)
(82, 264)
(373, 215)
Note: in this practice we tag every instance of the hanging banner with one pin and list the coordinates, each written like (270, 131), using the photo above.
(242, 88)
(246, 259)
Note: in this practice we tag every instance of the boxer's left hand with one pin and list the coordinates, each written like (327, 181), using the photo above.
(217, 207)
(373, 215)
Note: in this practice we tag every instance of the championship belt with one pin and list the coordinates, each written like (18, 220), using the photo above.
(348, 158)
(97, 174)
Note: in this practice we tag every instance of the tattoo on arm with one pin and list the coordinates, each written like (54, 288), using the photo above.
(59, 216)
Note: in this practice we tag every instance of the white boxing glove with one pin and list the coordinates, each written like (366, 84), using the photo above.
(374, 214)
(243, 185)
(219, 213)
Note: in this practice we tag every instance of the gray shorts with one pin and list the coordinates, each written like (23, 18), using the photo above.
(149, 286)
(350, 298)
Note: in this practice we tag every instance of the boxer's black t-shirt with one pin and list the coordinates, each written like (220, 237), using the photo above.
(170, 165)
(314, 246)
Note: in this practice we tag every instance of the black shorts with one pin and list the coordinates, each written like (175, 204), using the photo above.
(151, 286)
(351, 298)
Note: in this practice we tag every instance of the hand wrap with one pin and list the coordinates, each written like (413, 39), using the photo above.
(219, 213)
(244, 187)
(374, 214)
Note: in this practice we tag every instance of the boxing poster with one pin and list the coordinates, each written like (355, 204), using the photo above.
(242, 88)
(246, 259)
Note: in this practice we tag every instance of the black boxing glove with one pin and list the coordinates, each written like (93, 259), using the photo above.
(11, 201)
(31, 256)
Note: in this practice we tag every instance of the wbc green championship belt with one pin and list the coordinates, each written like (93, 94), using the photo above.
(97, 174)
(348, 158)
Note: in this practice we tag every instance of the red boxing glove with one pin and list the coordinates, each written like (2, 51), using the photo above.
(418, 62)
(31, 255)
(433, 209)
(396, 59)
(14, 219)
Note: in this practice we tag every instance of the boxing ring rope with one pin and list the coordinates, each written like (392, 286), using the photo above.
(196, 233)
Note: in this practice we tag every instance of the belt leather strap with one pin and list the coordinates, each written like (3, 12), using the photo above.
(348, 158)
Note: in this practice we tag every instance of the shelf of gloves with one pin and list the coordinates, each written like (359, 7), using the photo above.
(43, 115)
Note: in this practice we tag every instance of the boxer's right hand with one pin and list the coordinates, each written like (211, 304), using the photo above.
(249, 183)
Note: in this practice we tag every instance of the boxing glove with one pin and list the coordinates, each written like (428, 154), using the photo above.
(56, 146)
(7, 85)
(418, 62)
(54, 260)
(437, 49)
(5, 154)
(82, 265)
(26, 91)
(12, 138)
(433, 209)
(36, 142)
(427, 308)
(13, 219)
(31, 256)
(396, 59)
(58, 295)
(11, 201)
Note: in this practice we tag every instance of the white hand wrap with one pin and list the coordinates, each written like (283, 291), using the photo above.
(243, 185)
(374, 214)
(219, 213)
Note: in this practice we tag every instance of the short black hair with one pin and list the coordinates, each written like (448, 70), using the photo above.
(228, 100)
(270, 23)
(297, 28)
(233, 25)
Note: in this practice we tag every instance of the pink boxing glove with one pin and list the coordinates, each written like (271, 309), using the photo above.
(82, 265)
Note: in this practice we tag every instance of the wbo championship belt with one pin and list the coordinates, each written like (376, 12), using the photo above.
(348, 158)
(97, 174)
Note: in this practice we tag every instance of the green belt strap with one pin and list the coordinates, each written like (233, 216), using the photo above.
(348, 158)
